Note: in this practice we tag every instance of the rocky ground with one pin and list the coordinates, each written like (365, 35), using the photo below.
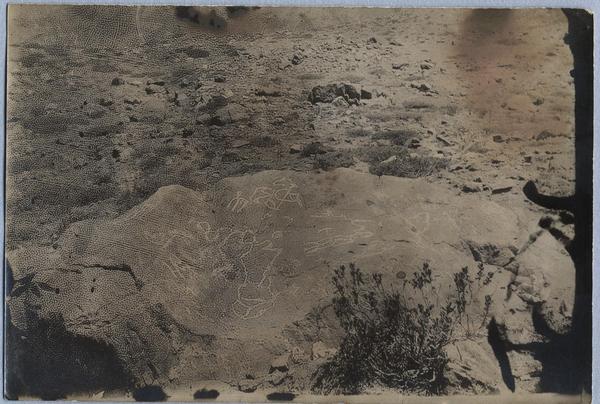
(208, 172)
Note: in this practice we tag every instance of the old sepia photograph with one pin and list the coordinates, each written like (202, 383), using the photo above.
(298, 204)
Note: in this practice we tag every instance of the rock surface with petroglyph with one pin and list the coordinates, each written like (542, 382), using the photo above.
(224, 276)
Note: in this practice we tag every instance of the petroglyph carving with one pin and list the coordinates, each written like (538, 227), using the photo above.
(283, 190)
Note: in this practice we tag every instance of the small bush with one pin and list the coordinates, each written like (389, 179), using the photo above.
(405, 165)
(410, 166)
(312, 149)
(393, 341)
(397, 137)
(333, 160)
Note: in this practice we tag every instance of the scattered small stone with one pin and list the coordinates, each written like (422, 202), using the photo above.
(390, 160)
(280, 363)
(426, 66)
(538, 101)
(95, 112)
(501, 190)
(296, 59)
(132, 101)
(150, 90)
(248, 385)
(321, 351)
(471, 188)
(414, 143)
(399, 66)
(276, 377)
(105, 102)
(497, 139)
(295, 148)
(424, 87)
(443, 140)
(340, 102)
(203, 119)
(268, 92)
(545, 134)
(372, 40)
(239, 143)
(365, 95)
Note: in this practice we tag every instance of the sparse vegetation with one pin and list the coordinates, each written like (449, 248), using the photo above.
(398, 137)
(332, 160)
(402, 163)
(397, 341)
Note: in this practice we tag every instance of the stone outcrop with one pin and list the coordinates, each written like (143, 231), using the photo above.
(196, 285)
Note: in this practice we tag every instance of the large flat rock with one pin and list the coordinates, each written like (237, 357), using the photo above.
(192, 285)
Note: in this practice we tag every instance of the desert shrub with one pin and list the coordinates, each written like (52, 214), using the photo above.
(405, 164)
(394, 341)
(312, 149)
(334, 159)
(398, 137)
(409, 166)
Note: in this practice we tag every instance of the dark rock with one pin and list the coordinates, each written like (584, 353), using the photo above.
(372, 40)
(470, 188)
(296, 59)
(501, 190)
(399, 66)
(149, 393)
(295, 148)
(206, 394)
(330, 92)
(219, 79)
(268, 92)
(423, 87)
(443, 140)
(365, 95)
(117, 81)
(280, 396)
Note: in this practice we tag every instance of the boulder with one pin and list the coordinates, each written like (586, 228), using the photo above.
(190, 277)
